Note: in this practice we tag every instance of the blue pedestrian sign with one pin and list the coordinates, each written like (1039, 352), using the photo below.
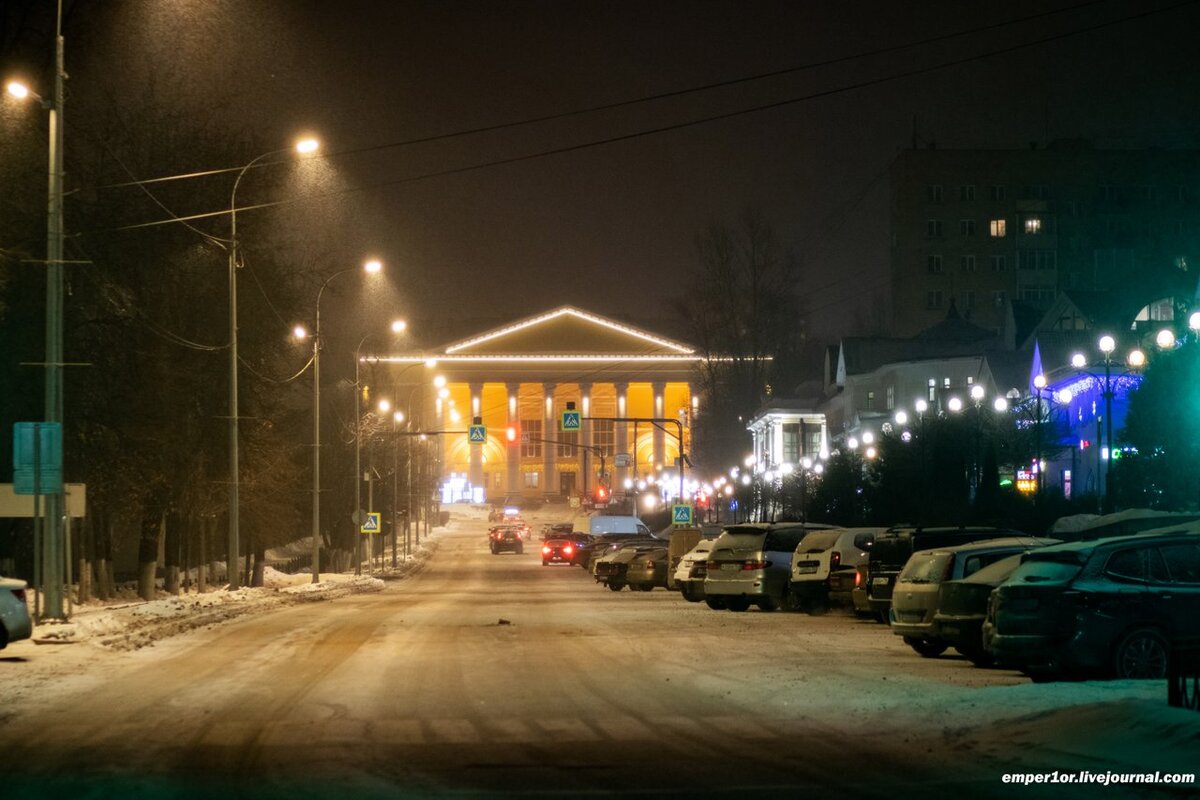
(477, 434)
(570, 421)
(681, 515)
(371, 524)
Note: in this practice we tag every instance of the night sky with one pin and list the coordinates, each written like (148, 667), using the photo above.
(611, 227)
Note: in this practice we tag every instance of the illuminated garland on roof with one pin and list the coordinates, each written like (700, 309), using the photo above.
(575, 313)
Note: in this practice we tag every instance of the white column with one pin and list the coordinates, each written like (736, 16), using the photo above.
(512, 453)
(586, 464)
(659, 453)
(622, 437)
(549, 431)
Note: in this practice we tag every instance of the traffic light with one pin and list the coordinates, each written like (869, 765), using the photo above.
(601, 494)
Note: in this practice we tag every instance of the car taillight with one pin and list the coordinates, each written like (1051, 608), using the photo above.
(835, 559)
(568, 550)
(748, 565)
(20, 594)
(649, 565)
(858, 578)
(713, 565)
(546, 549)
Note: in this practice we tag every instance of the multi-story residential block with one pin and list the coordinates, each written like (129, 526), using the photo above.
(988, 229)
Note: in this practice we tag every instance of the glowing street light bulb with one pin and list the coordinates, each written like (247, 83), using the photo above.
(1107, 344)
(1194, 321)
(806, 462)
(398, 416)
(977, 392)
(954, 404)
(307, 145)
(1165, 338)
(385, 406)
(1066, 396)
(1000, 404)
(1039, 381)
(921, 406)
(852, 443)
(300, 332)
(439, 381)
(870, 452)
(868, 437)
(399, 326)
(1079, 361)
(1137, 359)
(18, 90)
(373, 266)
(901, 418)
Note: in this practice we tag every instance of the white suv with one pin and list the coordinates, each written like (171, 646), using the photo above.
(824, 565)
(689, 575)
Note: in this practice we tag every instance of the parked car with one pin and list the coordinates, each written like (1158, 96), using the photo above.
(648, 569)
(558, 549)
(682, 540)
(915, 593)
(555, 529)
(824, 567)
(612, 567)
(962, 607)
(896, 545)
(858, 595)
(689, 574)
(751, 564)
(600, 545)
(506, 537)
(1110, 606)
(15, 623)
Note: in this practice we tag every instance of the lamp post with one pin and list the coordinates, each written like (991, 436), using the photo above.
(304, 146)
(369, 267)
(398, 327)
(53, 409)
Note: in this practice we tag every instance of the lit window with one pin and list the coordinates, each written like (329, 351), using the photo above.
(870, 401)
(1033, 225)
(891, 395)
(531, 480)
(931, 392)
(997, 228)
(945, 383)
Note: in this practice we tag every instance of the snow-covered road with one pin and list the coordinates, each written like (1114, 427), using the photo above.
(490, 674)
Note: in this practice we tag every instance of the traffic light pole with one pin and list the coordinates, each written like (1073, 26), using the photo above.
(657, 422)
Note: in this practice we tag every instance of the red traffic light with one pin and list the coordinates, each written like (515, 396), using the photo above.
(601, 492)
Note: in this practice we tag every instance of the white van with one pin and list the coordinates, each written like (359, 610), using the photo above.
(619, 526)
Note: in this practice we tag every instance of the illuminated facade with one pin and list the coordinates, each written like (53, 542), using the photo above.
(521, 377)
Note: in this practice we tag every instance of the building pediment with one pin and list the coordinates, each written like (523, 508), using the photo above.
(566, 331)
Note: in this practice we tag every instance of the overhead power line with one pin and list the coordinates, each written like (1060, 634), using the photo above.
(647, 98)
(673, 126)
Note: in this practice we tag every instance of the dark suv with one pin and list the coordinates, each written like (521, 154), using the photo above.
(1111, 606)
(896, 545)
(506, 537)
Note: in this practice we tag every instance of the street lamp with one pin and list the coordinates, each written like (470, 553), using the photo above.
(397, 326)
(316, 488)
(53, 408)
(304, 146)
(1039, 384)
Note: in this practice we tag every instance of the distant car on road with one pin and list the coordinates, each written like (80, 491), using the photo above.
(558, 549)
(506, 537)
(14, 614)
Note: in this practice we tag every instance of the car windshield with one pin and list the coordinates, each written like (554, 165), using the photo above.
(1046, 570)
(927, 568)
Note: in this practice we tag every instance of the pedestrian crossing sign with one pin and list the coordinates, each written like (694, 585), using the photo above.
(570, 421)
(477, 434)
(371, 524)
(681, 515)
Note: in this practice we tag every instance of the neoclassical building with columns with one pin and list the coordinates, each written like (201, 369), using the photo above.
(521, 377)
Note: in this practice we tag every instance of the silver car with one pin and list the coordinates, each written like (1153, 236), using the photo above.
(751, 564)
(14, 614)
(915, 596)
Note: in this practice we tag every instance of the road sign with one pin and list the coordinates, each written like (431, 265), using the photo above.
(681, 515)
(622, 459)
(477, 434)
(570, 421)
(371, 523)
(40, 443)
